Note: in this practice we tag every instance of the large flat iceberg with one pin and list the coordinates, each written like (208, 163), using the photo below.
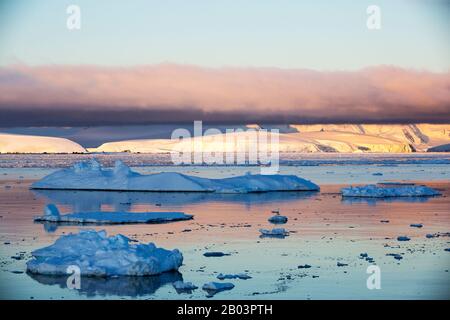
(96, 254)
(91, 176)
(51, 214)
(384, 190)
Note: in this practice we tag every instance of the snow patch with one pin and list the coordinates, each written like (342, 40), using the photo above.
(276, 232)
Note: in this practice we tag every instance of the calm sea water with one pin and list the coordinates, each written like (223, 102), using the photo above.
(325, 229)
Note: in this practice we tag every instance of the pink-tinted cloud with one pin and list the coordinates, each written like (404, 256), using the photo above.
(179, 92)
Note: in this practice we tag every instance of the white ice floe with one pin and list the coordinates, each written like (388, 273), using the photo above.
(278, 219)
(217, 286)
(51, 214)
(276, 232)
(184, 286)
(384, 190)
(96, 254)
(91, 176)
(242, 276)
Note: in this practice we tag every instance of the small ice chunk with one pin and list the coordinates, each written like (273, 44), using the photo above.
(277, 219)
(276, 232)
(215, 287)
(395, 255)
(181, 286)
(403, 238)
(242, 276)
(215, 254)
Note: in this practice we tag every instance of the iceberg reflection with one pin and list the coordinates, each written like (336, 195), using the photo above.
(374, 201)
(118, 286)
(123, 201)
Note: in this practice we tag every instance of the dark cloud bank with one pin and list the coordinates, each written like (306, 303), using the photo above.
(89, 95)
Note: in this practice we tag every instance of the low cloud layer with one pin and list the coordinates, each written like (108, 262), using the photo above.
(90, 95)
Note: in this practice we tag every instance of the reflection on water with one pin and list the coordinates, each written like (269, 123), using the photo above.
(79, 201)
(374, 201)
(119, 286)
(123, 201)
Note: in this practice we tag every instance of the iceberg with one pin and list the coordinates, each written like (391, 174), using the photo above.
(92, 176)
(98, 255)
(384, 190)
(51, 214)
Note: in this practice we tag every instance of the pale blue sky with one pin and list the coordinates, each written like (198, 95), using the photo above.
(322, 35)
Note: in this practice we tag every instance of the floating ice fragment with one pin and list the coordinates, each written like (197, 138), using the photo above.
(242, 276)
(277, 219)
(341, 264)
(51, 214)
(215, 254)
(276, 232)
(181, 286)
(384, 190)
(215, 287)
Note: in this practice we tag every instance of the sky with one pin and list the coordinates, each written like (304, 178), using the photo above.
(255, 60)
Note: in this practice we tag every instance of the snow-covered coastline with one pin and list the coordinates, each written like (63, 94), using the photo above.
(17, 143)
(315, 138)
(91, 176)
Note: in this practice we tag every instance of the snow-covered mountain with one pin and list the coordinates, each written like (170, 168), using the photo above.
(310, 138)
(16, 143)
